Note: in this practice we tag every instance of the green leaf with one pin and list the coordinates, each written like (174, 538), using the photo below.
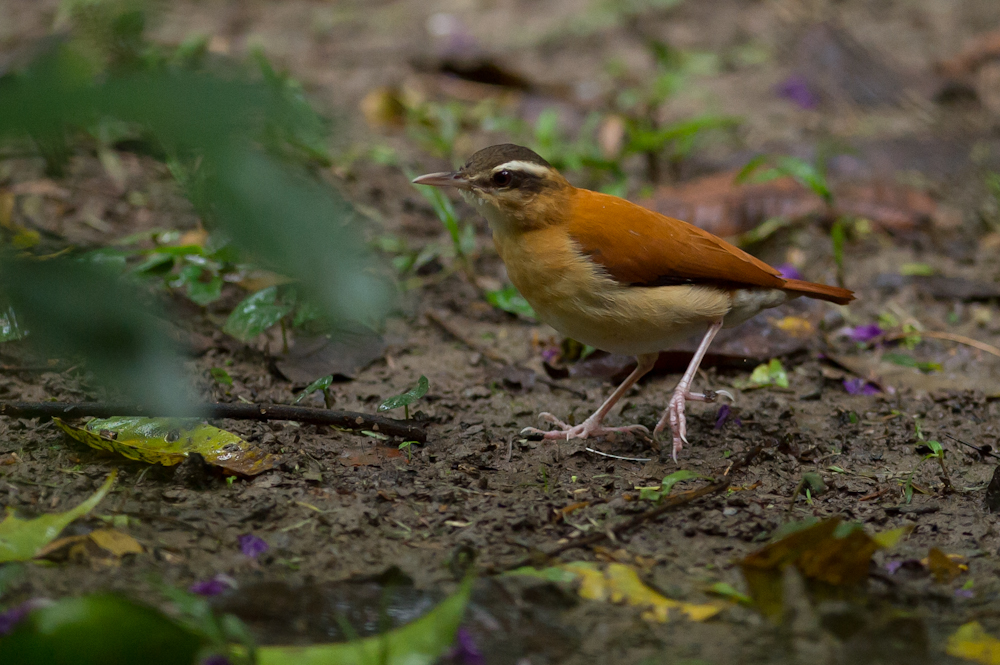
(99, 630)
(10, 331)
(408, 397)
(21, 539)
(727, 590)
(909, 361)
(256, 314)
(168, 441)
(916, 269)
(676, 477)
(421, 642)
(510, 300)
(321, 383)
(770, 374)
(838, 237)
(221, 376)
(200, 291)
(936, 448)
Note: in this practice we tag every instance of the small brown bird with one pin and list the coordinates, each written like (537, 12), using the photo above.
(614, 275)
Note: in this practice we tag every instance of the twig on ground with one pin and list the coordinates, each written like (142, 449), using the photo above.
(627, 459)
(668, 504)
(490, 354)
(348, 420)
(951, 337)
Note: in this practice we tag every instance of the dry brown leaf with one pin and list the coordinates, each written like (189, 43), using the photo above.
(977, 51)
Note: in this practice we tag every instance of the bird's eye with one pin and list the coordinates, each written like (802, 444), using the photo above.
(502, 178)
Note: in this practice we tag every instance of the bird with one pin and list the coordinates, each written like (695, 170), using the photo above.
(616, 276)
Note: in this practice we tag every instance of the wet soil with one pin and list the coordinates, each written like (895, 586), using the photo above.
(341, 505)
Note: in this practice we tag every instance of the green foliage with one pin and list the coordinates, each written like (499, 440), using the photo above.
(405, 399)
(10, 330)
(421, 642)
(936, 452)
(768, 374)
(811, 176)
(221, 376)
(97, 630)
(237, 145)
(257, 313)
(510, 300)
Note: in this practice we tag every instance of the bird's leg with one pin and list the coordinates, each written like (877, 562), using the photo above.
(592, 425)
(675, 409)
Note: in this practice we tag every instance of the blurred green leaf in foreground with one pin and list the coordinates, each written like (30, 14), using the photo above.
(239, 144)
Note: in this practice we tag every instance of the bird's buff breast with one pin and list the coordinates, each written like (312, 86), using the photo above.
(574, 296)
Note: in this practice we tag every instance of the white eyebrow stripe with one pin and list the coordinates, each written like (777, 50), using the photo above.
(525, 167)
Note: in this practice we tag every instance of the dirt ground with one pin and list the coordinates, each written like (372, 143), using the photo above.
(342, 505)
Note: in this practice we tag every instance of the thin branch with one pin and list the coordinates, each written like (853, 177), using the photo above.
(951, 337)
(348, 420)
(669, 503)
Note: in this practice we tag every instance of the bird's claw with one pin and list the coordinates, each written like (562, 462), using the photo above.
(585, 430)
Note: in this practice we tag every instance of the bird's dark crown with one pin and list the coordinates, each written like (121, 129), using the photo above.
(489, 158)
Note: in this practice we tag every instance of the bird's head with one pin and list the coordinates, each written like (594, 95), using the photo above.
(512, 186)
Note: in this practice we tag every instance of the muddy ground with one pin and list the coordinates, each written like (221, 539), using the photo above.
(343, 505)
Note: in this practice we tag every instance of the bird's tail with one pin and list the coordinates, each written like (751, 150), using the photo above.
(833, 294)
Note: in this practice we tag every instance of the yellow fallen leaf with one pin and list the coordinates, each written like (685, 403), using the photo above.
(619, 583)
(115, 542)
(795, 326)
(973, 643)
(168, 441)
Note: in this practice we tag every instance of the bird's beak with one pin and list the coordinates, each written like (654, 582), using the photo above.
(443, 179)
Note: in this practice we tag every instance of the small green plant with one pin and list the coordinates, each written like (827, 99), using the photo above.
(656, 494)
(936, 452)
(463, 235)
(321, 384)
(408, 447)
(768, 374)
(221, 376)
(406, 398)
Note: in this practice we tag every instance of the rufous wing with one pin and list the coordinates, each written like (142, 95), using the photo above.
(641, 247)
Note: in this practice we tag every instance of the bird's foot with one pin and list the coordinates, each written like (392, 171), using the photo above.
(674, 414)
(591, 427)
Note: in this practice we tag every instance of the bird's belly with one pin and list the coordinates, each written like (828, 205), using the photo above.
(571, 294)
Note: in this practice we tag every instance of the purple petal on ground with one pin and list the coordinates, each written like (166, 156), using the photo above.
(893, 566)
(723, 415)
(865, 333)
(16, 614)
(964, 593)
(860, 387)
(465, 651)
(251, 545)
(796, 89)
(788, 271)
(550, 354)
(213, 586)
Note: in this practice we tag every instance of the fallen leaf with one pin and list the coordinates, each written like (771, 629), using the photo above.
(973, 643)
(168, 441)
(103, 546)
(341, 355)
(21, 540)
(827, 558)
(371, 455)
(115, 542)
(620, 584)
(944, 567)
